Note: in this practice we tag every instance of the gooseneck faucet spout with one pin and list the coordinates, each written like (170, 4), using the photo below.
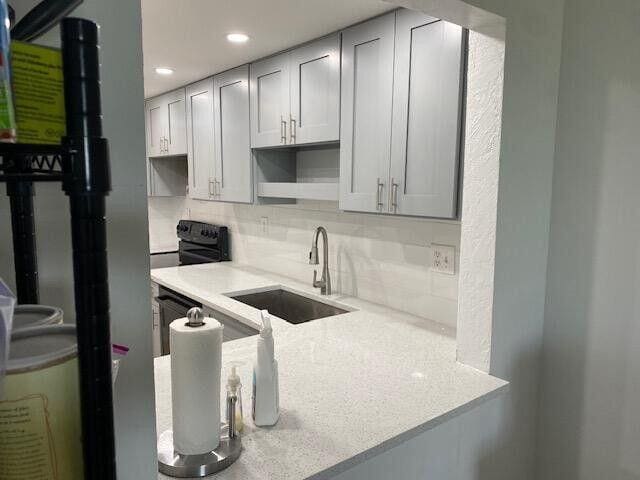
(325, 281)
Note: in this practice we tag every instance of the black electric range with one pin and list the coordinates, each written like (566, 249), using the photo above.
(202, 243)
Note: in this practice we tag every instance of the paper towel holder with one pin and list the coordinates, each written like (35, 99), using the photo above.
(176, 464)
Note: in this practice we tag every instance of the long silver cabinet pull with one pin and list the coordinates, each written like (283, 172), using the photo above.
(211, 188)
(394, 196)
(218, 186)
(293, 129)
(283, 130)
(379, 203)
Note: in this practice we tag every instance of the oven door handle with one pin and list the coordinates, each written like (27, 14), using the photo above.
(163, 298)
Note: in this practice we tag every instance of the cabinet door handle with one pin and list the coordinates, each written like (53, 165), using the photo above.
(211, 188)
(394, 196)
(217, 186)
(283, 130)
(293, 129)
(379, 203)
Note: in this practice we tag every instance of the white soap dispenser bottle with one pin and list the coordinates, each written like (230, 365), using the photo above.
(266, 402)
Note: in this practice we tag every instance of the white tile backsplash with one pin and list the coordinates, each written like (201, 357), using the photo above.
(379, 258)
(164, 213)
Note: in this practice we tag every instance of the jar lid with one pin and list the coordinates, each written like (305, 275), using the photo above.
(34, 348)
(34, 315)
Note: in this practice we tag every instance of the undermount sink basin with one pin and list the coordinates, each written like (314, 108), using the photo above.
(289, 306)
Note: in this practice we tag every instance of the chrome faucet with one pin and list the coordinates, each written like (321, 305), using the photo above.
(325, 281)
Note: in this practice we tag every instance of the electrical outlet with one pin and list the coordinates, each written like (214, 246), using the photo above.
(443, 259)
(264, 222)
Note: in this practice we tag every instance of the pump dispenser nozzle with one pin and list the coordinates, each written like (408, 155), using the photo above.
(266, 324)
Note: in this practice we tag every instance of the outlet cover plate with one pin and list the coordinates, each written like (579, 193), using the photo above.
(443, 258)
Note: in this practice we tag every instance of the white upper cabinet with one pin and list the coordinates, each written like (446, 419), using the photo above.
(200, 139)
(176, 133)
(401, 115)
(366, 107)
(426, 116)
(270, 103)
(165, 123)
(156, 122)
(295, 96)
(315, 92)
(232, 172)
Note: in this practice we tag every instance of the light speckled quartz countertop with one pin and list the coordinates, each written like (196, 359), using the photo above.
(351, 386)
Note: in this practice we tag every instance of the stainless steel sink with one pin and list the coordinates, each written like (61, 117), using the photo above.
(289, 306)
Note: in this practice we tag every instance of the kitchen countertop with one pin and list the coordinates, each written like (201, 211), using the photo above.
(351, 385)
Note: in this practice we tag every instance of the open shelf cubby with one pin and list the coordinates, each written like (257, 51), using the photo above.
(297, 173)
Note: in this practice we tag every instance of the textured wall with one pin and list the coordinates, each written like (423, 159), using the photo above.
(481, 164)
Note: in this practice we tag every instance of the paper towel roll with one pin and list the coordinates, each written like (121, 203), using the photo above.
(196, 360)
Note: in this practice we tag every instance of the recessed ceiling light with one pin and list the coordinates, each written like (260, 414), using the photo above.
(164, 71)
(237, 37)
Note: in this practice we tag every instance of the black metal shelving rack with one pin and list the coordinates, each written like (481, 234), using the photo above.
(81, 164)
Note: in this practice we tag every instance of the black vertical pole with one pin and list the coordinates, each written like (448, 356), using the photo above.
(25, 259)
(87, 182)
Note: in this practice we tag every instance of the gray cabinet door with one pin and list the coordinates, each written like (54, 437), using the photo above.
(200, 138)
(366, 104)
(232, 179)
(176, 134)
(315, 92)
(426, 116)
(270, 101)
(155, 122)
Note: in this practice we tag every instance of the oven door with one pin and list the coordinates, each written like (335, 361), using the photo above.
(172, 307)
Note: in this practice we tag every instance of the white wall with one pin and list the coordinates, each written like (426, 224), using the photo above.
(590, 402)
(122, 101)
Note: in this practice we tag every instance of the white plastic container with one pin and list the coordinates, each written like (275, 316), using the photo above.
(266, 402)
(40, 429)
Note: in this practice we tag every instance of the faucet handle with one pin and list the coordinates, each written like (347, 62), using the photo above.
(316, 283)
(313, 255)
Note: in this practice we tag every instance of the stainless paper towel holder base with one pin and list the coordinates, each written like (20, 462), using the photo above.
(176, 464)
